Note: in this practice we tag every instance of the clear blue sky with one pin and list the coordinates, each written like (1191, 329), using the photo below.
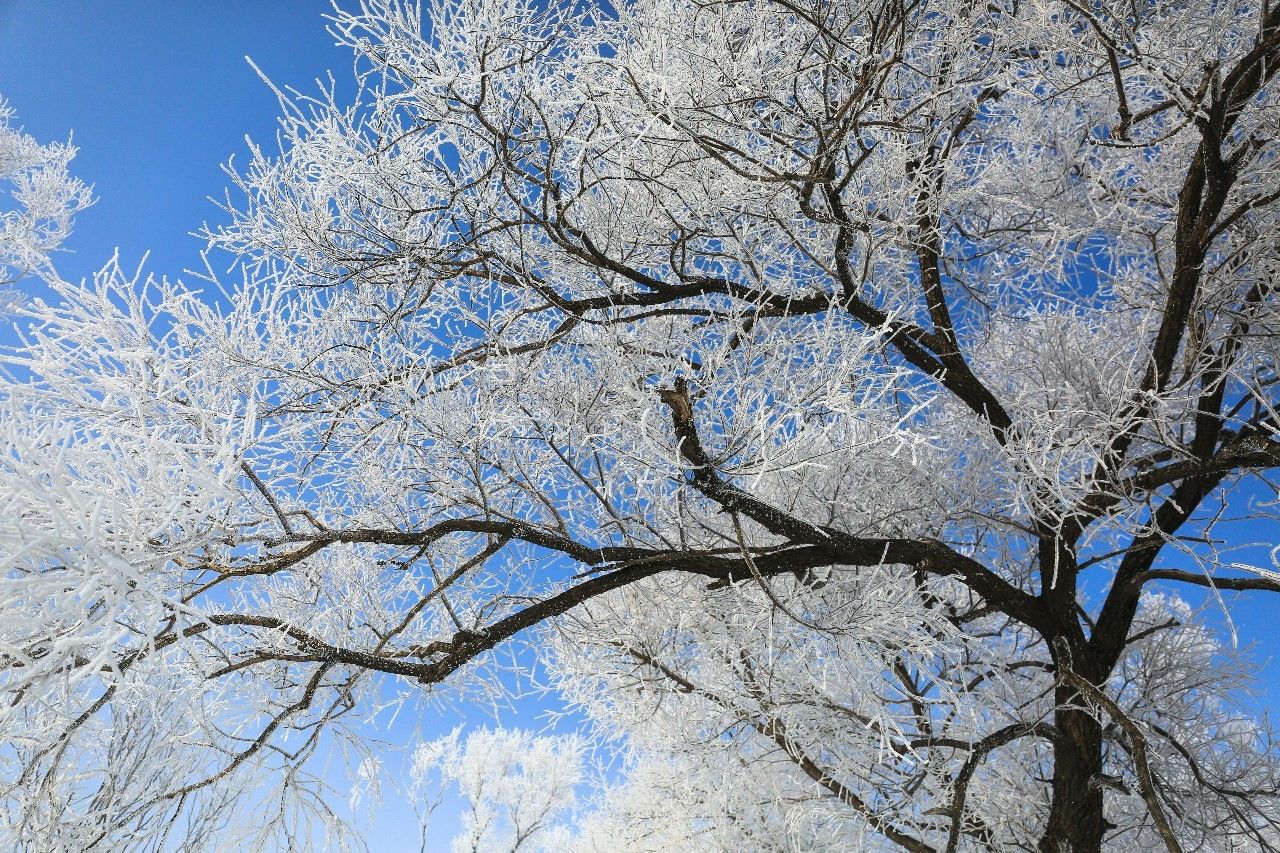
(158, 96)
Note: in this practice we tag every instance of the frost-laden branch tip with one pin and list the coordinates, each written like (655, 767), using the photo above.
(40, 199)
(843, 409)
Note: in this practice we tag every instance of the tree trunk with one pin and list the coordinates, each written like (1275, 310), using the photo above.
(1076, 822)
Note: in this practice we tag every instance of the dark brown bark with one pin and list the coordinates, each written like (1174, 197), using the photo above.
(1076, 823)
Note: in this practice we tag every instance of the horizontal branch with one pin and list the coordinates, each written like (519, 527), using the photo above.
(1211, 581)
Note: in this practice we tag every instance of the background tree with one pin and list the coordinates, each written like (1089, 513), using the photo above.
(821, 392)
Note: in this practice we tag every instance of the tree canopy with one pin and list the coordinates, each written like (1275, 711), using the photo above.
(837, 403)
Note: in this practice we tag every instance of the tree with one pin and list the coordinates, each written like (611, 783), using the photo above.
(515, 784)
(834, 398)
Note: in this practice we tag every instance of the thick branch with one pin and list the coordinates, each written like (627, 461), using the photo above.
(1146, 782)
(929, 555)
(1210, 581)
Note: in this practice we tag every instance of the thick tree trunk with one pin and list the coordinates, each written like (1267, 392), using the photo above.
(1076, 822)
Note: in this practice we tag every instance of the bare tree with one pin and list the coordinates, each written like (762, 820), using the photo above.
(833, 396)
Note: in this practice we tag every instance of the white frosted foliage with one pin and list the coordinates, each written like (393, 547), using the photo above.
(834, 408)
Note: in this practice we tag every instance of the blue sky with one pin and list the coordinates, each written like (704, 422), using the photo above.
(158, 96)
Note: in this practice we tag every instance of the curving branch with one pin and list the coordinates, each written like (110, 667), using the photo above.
(929, 555)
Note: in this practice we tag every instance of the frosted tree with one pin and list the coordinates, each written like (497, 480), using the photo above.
(516, 786)
(840, 401)
(40, 199)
